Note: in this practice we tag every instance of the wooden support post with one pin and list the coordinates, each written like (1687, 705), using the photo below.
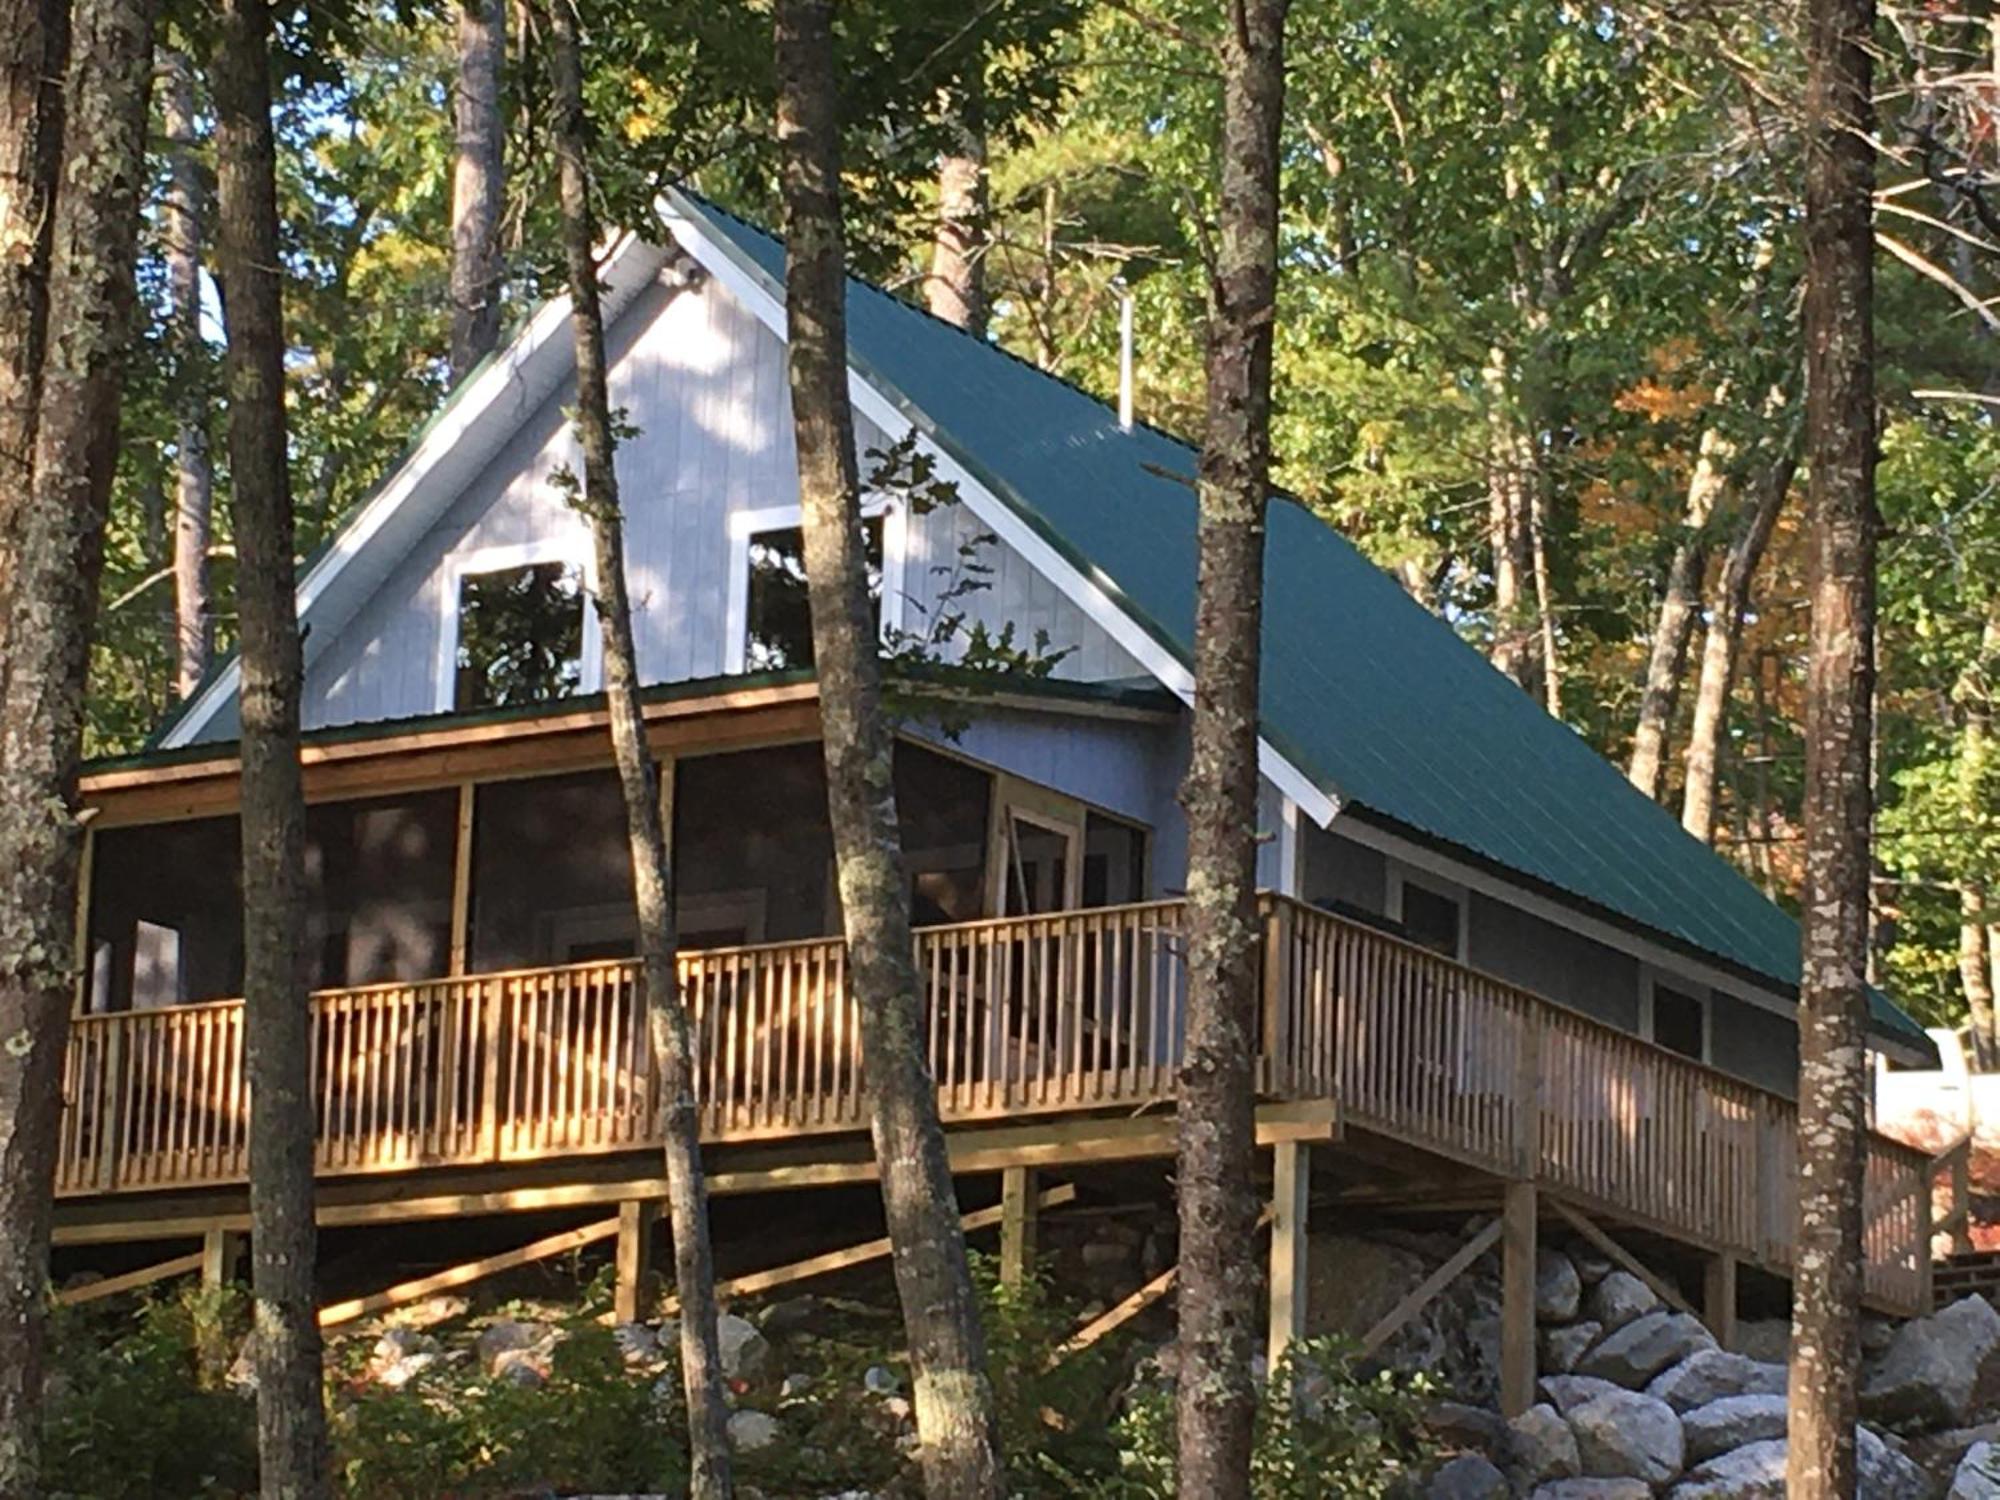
(1517, 1299)
(636, 1218)
(221, 1249)
(461, 881)
(1960, 1218)
(85, 876)
(1018, 1222)
(1718, 1298)
(1291, 1182)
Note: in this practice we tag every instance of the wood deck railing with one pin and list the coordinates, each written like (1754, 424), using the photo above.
(1068, 1012)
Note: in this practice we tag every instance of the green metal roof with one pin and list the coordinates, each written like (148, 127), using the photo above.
(1365, 691)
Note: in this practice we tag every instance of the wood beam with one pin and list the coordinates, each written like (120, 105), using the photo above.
(1718, 1298)
(111, 1286)
(1665, 1290)
(470, 1271)
(1291, 1185)
(1056, 1143)
(1421, 1295)
(636, 1218)
(1517, 1298)
(1117, 1317)
(757, 1282)
(1018, 1224)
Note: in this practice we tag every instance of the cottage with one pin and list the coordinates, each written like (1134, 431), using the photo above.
(1493, 973)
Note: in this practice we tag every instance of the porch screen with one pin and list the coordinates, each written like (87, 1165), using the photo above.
(942, 805)
(753, 861)
(166, 915)
(378, 876)
(551, 873)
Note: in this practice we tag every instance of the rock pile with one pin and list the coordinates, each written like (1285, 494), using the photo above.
(1639, 1403)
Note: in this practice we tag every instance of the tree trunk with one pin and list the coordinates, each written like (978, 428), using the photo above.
(1975, 972)
(1545, 601)
(666, 1019)
(291, 1422)
(1680, 603)
(182, 215)
(1721, 645)
(956, 1424)
(1840, 438)
(956, 290)
(1510, 517)
(1216, 1165)
(56, 555)
(478, 183)
(34, 46)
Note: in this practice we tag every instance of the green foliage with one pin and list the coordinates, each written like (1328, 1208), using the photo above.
(590, 1426)
(1323, 1429)
(139, 1405)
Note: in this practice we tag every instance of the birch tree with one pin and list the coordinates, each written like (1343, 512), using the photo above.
(183, 213)
(53, 558)
(478, 182)
(1722, 642)
(666, 1019)
(1216, 1167)
(1840, 453)
(291, 1422)
(956, 1424)
(1680, 603)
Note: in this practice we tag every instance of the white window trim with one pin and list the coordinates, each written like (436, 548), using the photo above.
(745, 524)
(573, 548)
(1652, 977)
(1401, 875)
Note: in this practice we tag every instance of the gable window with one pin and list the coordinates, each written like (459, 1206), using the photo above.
(777, 621)
(770, 615)
(513, 626)
(520, 635)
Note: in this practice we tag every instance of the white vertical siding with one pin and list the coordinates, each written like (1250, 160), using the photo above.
(706, 385)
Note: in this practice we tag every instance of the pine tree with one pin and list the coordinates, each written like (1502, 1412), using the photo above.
(1215, 1399)
(954, 1400)
(53, 562)
(291, 1420)
(1840, 454)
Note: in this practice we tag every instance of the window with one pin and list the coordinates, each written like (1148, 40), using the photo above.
(777, 617)
(1430, 920)
(520, 635)
(1680, 1022)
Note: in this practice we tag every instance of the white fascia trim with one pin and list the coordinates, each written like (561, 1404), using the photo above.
(1087, 592)
(572, 547)
(745, 524)
(487, 389)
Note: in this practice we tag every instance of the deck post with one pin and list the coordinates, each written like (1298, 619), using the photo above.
(221, 1250)
(1718, 1297)
(1019, 1207)
(1517, 1298)
(1291, 1183)
(636, 1217)
(1961, 1198)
